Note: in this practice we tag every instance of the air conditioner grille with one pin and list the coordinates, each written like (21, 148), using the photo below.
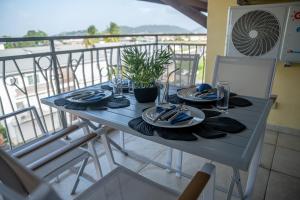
(255, 33)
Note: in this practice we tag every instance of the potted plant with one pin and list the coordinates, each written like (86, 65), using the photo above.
(144, 70)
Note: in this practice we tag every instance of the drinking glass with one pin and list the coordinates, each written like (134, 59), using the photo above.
(130, 86)
(223, 93)
(160, 87)
(117, 81)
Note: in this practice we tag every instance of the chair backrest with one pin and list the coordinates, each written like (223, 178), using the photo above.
(246, 76)
(186, 75)
(17, 182)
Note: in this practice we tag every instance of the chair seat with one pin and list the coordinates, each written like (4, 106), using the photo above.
(123, 184)
(56, 166)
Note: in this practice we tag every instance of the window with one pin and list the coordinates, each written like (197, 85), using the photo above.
(30, 79)
(20, 105)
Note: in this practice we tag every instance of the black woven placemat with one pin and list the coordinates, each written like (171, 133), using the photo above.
(234, 101)
(120, 102)
(211, 127)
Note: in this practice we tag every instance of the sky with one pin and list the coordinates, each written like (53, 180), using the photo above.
(56, 16)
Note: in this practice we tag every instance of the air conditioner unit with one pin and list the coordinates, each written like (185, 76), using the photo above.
(267, 31)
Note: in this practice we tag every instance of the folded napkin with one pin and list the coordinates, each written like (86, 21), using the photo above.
(202, 87)
(160, 109)
(181, 118)
(211, 96)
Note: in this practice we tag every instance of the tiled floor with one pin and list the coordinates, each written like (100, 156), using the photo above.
(278, 177)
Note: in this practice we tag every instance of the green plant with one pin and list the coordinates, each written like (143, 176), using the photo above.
(3, 132)
(143, 69)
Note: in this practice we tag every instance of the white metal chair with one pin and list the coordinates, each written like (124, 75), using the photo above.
(50, 155)
(184, 77)
(18, 183)
(246, 76)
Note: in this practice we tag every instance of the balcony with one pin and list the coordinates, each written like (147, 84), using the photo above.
(29, 74)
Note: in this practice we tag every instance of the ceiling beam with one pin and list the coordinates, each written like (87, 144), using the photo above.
(183, 7)
(199, 5)
(154, 1)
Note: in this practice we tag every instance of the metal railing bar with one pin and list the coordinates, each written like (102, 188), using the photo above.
(18, 39)
(92, 67)
(83, 70)
(190, 71)
(10, 102)
(88, 49)
(26, 94)
(37, 94)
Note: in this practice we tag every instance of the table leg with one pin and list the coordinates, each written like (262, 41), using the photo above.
(108, 150)
(231, 186)
(122, 139)
(169, 159)
(93, 154)
(253, 169)
(235, 180)
(117, 146)
(238, 182)
(179, 163)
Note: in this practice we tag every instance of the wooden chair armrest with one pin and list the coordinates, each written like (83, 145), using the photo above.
(198, 183)
(195, 187)
(46, 141)
(59, 152)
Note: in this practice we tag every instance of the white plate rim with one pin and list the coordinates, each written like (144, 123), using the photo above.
(106, 92)
(149, 121)
(193, 99)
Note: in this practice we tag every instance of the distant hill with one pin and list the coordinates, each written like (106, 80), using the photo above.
(152, 29)
(73, 33)
(145, 29)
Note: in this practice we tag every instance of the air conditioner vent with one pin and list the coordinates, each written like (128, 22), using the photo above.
(256, 33)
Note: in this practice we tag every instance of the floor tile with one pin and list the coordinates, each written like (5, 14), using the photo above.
(289, 141)
(165, 178)
(261, 184)
(270, 137)
(287, 161)
(144, 147)
(219, 195)
(190, 163)
(64, 186)
(120, 158)
(224, 174)
(267, 156)
(283, 187)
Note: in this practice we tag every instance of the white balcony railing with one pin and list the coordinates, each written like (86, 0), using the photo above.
(40, 72)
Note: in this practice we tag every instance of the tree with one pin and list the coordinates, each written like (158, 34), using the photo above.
(30, 33)
(113, 29)
(91, 30)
